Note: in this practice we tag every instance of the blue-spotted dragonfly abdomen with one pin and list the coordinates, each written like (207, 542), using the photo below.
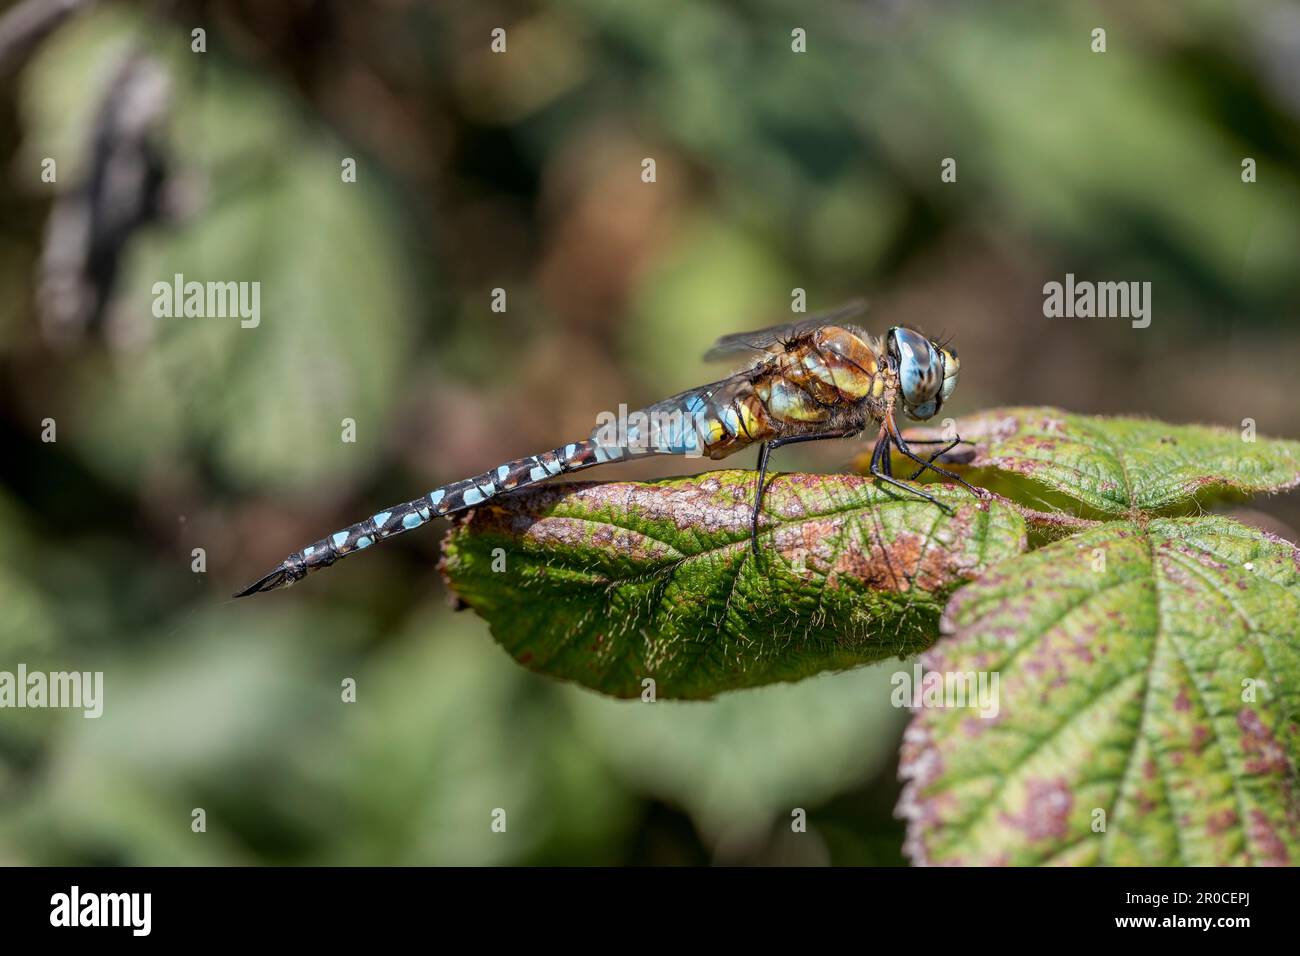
(817, 379)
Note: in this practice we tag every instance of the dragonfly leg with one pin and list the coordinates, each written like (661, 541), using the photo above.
(930, 466)
(880, 455)
(763, 452)
(936, 456)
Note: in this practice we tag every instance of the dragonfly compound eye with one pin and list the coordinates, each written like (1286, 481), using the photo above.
(924, 411)
(920, 372)
(951, 365)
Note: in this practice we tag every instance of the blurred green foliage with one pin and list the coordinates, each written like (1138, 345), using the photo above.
(522, 171)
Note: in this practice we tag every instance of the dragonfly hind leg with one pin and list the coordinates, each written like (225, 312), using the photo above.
(764, 451)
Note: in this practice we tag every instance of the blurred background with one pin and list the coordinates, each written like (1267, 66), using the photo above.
(522, 170)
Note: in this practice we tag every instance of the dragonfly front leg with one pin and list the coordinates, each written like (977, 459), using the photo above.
(880, 459)
(929, 465)
(936, 456)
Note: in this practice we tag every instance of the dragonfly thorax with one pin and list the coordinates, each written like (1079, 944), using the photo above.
(832, 377)
(839, 366)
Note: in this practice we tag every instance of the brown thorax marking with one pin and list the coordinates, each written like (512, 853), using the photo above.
(839, 366)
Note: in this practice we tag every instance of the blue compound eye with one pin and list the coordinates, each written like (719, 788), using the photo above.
(922, 412)
(920, 372)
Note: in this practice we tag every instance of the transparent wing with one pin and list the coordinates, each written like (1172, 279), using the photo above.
(705, 398)
(762, 340)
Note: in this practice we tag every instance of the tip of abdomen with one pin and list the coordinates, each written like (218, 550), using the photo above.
(279, 578)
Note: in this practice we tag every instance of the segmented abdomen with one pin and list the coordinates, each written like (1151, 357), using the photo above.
(714, 421)
(455, 497)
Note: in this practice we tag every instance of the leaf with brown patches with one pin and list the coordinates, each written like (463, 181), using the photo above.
(1143, 705)
(613, 584)
(1099, 467)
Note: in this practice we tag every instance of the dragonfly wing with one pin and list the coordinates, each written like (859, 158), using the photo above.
(763, 340)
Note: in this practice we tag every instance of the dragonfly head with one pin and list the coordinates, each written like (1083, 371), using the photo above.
(927, 371)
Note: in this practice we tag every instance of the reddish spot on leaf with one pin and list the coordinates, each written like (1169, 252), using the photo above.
(1046, 813)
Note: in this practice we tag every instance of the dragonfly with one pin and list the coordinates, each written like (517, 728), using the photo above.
(812, 380)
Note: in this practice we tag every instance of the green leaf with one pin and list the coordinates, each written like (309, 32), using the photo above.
(1117, 467)
(1149, 682)
(609, 584)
